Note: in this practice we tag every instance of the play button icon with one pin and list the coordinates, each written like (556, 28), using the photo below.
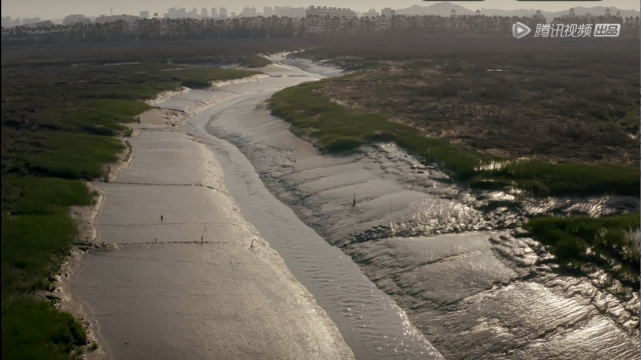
(519, 30)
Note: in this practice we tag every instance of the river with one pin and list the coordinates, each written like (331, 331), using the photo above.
(405, 263)
(473, 285)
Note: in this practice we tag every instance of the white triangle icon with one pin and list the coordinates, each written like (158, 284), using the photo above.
(520, 30)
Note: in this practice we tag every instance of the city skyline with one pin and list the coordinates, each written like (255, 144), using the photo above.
(61, 8)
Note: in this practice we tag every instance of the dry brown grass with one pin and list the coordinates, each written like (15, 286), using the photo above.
(558, 102)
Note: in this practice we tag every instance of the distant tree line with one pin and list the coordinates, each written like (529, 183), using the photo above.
(283, 27)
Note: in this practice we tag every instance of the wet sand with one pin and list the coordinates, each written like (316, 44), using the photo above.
(187, 277)
(471, 286)
(371, 323)
(447, 256)
(159, 117)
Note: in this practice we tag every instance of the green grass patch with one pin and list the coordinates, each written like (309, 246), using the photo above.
(564, 179)
(41, 196)
(30, 243)
(101, 116)
(72, 155)
(336, 128)
(630, 122)
(605, 238)
(36, 229)
(36, 236)
(34, 330)
(254, 61)
(146, 80)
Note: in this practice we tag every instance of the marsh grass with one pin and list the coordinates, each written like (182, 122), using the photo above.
(100, 116)
(550, 103)
(542, 179)
(81, 106)
(41, 196)
(72, 155)
(57, 127)
(606, 238)
(336, 128)
(36, 236)
(630, 121)
(34, 330)
(254, 61)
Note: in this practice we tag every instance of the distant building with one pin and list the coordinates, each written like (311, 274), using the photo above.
(370, 13)
(203, 12)
(113, 18)
(387, 12)
(45, 24)
(6, 20)
(453, 13)
(176, 13)
(539, 16)
(214, 13)
(233, 14)
(75, 19)
(478, 12)
(27, 21)
(587, 16)
(290, 11)
(268, 11)
(248, 12)
(331, 12)
(144, 14)
(156, 16)
(193, 13)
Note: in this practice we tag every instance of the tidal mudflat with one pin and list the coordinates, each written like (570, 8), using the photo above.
(183, 274)
(417, 261)
(452, 259)
(371, 323)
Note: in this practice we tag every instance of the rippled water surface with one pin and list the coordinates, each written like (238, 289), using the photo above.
(371, 323)
(469, 284)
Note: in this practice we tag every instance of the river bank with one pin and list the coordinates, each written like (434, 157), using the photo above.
(480, 289)
(59, 130)
(473, 292)
(371, 323)
(184, 275)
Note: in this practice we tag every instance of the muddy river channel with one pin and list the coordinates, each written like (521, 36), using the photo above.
(406, 263)
(464, 275)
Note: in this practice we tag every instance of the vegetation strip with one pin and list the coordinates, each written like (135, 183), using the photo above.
(56, 132)
(579, 242)
(336, 128)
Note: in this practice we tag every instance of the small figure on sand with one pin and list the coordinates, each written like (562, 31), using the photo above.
(201, 240)
(160, 218)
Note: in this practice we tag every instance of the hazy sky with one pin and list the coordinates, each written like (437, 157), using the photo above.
(52, 9)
